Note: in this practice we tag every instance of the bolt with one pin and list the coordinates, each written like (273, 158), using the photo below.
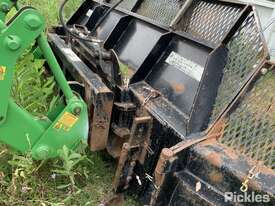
(76, 108)
(264, 71)
(42, 152)
(77, 111)
(4, 7)
(33, 22)
(13, 42)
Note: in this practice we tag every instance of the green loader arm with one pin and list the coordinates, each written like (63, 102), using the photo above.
(66, 124)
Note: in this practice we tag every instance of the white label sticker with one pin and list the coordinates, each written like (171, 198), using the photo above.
(71, 54)
(89, 13)
(190, 68)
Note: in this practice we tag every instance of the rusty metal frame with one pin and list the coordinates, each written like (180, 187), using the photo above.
(209, 136)
(97, 95)
(140, 148)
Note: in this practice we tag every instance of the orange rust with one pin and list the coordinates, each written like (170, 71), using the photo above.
(130, 72)
(178, 87)
(215, 159)
(216, 177)
(217, 130)
(99, 123)
(185, 144)
(165, 155)
(123, 158)
(147, 143)
(208, 142)
(231, 153)
(266, 170)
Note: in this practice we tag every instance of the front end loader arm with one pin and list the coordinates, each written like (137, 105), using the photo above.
(66, 124)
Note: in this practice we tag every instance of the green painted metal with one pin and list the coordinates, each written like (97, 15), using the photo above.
(66, 125)
(5, 7)
(14, 40)
(48, 54)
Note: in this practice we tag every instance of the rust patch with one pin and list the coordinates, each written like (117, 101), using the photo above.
(217, 130)
(230, 153)
(216, 177)
(215, 159)
(226, 152)
(178, 87)
(121, 163)
(266, 170)
(207, 142)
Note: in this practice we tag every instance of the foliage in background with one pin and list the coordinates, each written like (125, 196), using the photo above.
(32, 88)
(77, 178)
(49, 8)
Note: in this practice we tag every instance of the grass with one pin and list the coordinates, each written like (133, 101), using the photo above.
(49, 8)
(76, 178)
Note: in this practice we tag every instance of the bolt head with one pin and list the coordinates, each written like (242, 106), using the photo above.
(13, 42)
(33, 22)
(4, 7)
(264, 71)
(76, 108)
(77, 111)
(42, 152)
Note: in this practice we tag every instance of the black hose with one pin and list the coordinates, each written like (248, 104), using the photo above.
(63, 4)
(106, 14)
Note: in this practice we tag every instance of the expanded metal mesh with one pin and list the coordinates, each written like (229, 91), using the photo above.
(162, 11)
(209, 21)
(126, 4)
(250, 129)
(246, 51)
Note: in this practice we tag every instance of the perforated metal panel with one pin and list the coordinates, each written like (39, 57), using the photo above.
(209, 21)
(162, 11)
(126, 4)
(246, 51)
(250, 129)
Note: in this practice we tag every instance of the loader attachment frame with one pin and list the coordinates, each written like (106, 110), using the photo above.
(66, 124)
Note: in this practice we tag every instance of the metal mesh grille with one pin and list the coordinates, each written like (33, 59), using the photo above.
(250, 129)
(209, 21)
(246, 51)
(126, 4)
(162, 11)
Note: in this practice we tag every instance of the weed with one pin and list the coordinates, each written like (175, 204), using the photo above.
(69, 161)
(32, 88)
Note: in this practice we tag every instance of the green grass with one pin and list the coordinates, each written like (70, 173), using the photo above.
(49, 8)
(33, 183)
(81, 178)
